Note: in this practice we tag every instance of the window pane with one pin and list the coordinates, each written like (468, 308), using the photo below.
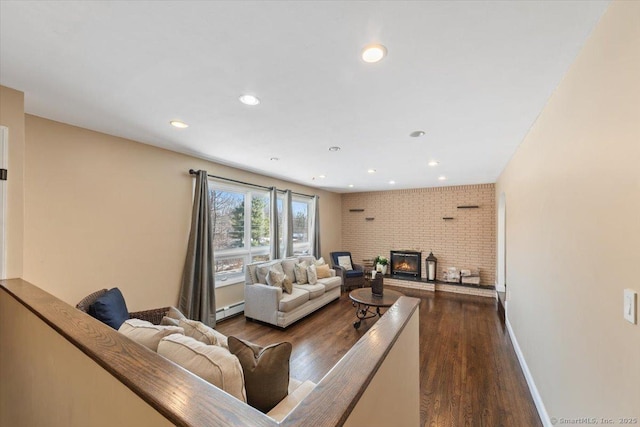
(228, 219)
(300, 222)
(259, 220)
(257, 258)
(227, 267)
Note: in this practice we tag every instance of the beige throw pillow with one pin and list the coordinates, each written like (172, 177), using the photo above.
(202, 332)
(300, 270)
(146, 333)
(275, 277)
(172, 318)
(323, 271)
(266, 371)
(345, 261)
(312, 274)
(210, 362)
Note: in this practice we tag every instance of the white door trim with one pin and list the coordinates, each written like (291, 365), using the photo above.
(4, 164)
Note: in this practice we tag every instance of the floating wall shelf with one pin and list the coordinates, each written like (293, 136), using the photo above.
(447, 218)
(468, 207)
(356, 210)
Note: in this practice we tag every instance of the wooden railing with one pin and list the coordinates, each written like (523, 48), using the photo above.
(184, 399)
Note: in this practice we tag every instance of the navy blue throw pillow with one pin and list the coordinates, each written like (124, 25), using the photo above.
(110, 308)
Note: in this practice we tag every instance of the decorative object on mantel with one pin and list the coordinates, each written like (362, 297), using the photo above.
(432, 265)
(447, 217)
(468, 207)
(356, 210)
(470, 276)
(451, 275)
(463, 276)
(381, 264)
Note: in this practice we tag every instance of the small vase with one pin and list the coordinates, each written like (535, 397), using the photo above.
(382, 269)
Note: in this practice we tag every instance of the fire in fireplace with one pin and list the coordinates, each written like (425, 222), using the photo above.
(407, 263)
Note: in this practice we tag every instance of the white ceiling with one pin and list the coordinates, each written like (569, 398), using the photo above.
(472, 75)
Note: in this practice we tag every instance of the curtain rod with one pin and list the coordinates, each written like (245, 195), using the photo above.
(195, 172)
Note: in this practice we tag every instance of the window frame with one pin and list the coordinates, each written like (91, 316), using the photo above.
(247, 252)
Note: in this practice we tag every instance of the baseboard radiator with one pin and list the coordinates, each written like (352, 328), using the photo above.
(230, 310)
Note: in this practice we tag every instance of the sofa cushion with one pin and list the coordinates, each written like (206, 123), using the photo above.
(330, 283)
(323, 271)
(263, 270)
(266, 371)
(315, 291)
(309, 259)
(203, 333)
(212, 363)
(146, 333)
(288, 265)
(293, 399)
(312, 274)
(295, 299)
(110, 308)
(300, 270)
(173, 317)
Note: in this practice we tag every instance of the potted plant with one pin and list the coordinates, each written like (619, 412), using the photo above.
(381, 264)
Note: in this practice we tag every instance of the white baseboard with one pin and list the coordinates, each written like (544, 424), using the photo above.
(537, 399)
(224, 312)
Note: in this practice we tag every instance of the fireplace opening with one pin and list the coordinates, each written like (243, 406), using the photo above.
(406, 263)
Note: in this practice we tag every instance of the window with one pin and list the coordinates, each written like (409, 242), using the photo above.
(241, 235)
(302, 211)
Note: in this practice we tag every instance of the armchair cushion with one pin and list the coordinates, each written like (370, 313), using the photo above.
(146, 333)
(354, 273)
(345, 261)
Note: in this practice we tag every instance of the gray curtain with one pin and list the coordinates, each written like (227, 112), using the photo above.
(314, 233)
(273, 219)
(287, 225)
(197, 294)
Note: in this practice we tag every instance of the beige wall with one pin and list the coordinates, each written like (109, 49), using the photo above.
(412, 219)
(12, 116)
(102, 211)
(64, 389)
(573, 230)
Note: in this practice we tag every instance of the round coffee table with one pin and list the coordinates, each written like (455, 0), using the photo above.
(365, 301)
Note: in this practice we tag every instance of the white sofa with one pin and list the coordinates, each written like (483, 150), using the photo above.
(205, 353)
(272, 305)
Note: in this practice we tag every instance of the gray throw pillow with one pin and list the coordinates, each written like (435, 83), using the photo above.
(266, 371)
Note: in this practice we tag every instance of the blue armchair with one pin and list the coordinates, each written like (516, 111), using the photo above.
(353, 278)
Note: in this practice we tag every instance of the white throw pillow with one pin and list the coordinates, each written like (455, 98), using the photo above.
(146, 333)
(321, 261)
(312, 275)
(345, 261)
(210, 362)
(301, 273)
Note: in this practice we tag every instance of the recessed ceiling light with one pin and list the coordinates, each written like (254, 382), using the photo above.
(373, 53)
(249, 99)
(322, 176)
(442, 178)
(350, 186)
(334, 148)
(178, 124)
(392, 182)
(275, 159)
(433, 163)
(371, 171)
(416, 133)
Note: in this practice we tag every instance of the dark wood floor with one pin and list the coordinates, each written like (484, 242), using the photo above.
(469, 373)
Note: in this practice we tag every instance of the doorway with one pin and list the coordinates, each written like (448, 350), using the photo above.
(501, 285)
